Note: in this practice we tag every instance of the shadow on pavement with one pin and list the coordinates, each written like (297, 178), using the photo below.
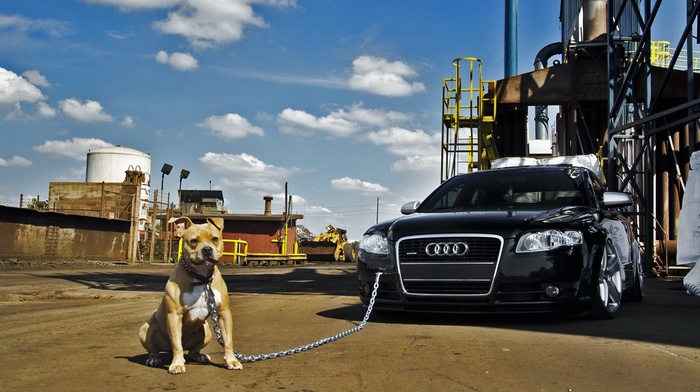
(666, 316)
(279, 280)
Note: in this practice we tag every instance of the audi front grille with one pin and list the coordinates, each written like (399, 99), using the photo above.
(439, 265)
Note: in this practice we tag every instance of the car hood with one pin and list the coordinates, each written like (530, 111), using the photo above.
(506, 223)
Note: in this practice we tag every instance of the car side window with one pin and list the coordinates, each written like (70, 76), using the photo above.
(598, 190)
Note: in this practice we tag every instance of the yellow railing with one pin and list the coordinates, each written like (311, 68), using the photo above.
(239, 256)
(662, 52)
(468, 116)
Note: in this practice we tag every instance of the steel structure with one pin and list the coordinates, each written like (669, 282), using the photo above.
(621, 96)
(639, 122)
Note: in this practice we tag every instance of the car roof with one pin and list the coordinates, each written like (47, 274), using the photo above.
(557, 167)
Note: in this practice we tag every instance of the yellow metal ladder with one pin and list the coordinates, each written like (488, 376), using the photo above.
(468, 117)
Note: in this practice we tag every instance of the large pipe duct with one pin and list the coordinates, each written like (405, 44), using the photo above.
(511, 38)
(595, 17)
(541, 112)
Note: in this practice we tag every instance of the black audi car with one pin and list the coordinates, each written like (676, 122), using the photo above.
(521, 239)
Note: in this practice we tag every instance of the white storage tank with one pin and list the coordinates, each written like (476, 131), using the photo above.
(110, 164)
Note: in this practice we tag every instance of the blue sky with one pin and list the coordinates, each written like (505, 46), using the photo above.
(340, 99)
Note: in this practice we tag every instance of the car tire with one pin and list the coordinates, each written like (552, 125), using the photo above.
(636, 293)
(606, 286)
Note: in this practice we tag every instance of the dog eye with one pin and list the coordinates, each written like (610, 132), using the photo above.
(194, 241)
(215, 239)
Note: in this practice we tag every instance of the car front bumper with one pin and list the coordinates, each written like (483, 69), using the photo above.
(521, 283)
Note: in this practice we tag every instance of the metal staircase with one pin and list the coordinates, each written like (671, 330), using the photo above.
(468, 117)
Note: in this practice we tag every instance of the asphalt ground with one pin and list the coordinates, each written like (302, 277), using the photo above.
(73, 327)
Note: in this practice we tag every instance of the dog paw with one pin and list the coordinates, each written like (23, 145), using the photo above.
(153, 361)
(176, 369)
(232, 363)
(199, 358)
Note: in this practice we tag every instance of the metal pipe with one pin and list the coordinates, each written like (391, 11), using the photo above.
(511, 38)
(594, 20)
(541, 111)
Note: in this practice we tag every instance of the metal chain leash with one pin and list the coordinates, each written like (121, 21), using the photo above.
(253, 358)
(214, 312)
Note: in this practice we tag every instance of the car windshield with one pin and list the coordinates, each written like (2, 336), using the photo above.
(525, 188)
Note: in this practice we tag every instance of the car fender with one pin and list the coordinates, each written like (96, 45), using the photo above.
(618, 233)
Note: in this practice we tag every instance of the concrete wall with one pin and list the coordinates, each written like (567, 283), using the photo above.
(31, 234)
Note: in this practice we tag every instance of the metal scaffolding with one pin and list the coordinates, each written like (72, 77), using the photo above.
(639, 121)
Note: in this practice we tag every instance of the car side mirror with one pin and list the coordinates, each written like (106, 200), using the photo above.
(617, 199)
(410, 207)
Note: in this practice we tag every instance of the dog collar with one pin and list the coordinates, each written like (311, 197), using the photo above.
(201, 278)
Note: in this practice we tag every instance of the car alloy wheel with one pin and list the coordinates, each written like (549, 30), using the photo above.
(608, 285)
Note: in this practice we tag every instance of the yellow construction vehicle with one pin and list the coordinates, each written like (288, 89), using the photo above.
(332, 245)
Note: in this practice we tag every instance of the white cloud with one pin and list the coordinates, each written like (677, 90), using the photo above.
(177, 60)
(16, 113)
(246, 172)
(379, 76)
(74, 174)
(359, 186)
(15, 161)
(24, 25)
(301, 206)
(230, 126)
(419, 150)
(36, 78)
(45, 110)
(376, 117)
(416, 163)
(404, 142)
(341, 122)
(204, 23)
(298, 121)
(76, 148)
(127, 122)
(15, 89)
(208, 23)
(90, 111)
(127, 5)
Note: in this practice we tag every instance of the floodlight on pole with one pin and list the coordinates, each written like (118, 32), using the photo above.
(165, 170)
(183, 175)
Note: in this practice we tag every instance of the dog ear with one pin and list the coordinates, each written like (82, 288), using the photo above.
(217, 222)
(181, 224)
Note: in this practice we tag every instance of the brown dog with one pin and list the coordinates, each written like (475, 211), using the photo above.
(180, 323)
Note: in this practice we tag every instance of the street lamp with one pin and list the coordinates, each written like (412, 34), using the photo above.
(183, 175)
(165, 170)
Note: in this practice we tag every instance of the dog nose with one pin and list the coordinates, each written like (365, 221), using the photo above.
(207, 251)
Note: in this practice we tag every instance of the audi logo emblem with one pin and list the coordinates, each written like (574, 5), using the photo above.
(446, 249)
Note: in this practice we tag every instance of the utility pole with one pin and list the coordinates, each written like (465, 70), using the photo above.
(377, 219)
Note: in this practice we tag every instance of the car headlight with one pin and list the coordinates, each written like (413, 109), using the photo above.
(375, 243)
(547, 240)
